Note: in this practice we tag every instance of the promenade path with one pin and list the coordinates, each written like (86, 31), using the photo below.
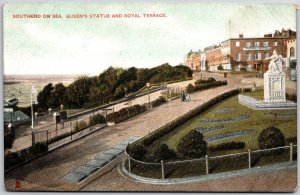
(24, 136)
(46, 172)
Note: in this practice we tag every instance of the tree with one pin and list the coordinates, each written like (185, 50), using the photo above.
(44, 96)
(220, 67)
(271, 137)
(57, 96)
(192, 145)
(164, 153)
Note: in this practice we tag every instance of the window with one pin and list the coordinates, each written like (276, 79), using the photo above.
(256, 44)
(237, 44)
(266, 55)
(275, 43)
(266, 44)
(257, 56)
(248, 56)
(248, 44)
(292, 52)
(238, 56)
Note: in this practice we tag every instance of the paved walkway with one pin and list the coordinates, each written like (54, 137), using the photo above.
(23, 133)
(268, 179)
(48, 170)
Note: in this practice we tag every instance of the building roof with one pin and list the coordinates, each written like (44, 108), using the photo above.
(17, 116)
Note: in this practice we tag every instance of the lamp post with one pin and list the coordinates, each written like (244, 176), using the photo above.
(33, 100)
(148, 86)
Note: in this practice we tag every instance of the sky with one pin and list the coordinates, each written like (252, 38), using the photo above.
(88, 46)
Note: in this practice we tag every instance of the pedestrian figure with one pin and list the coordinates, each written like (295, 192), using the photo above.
(254, 86)
(188, 98)
(182, 96)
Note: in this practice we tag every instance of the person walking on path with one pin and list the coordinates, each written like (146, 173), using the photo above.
(182, 96)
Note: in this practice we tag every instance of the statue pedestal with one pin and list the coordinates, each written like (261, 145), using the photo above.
(274, 87)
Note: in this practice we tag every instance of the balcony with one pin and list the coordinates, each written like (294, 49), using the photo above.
(256, 48)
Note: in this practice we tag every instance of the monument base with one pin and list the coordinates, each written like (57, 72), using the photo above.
(265, 104)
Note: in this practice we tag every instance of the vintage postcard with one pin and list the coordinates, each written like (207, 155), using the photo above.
(145, 97)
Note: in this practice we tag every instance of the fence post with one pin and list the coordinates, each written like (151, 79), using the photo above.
(206, 163)
(71, 129)
(129, 163)
(162, 169)
(76, 123)
(32, 138)
(249, 158)
(113, 109)
(90, 123)
(291, 152)
(56, 127)
(47, 137)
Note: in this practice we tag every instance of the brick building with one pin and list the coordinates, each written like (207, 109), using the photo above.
(193, 60)
(291, 61)
(247, 53)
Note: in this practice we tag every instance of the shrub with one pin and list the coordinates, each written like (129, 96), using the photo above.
(209, 80)
(164, 153)
(209, 85)
(80, 125)
(125, 113)
(291, 97)
(190, 88)
(159, 101)
(192, 145)
(271, 137)
(220, 67)
(227, 146)
(98, 119)
(136, 151)
(291, 140)
(243, 69)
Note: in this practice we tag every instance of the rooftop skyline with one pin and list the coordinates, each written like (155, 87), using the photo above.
(90, 45)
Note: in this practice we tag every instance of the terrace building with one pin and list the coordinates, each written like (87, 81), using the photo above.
(250, 54)
(192, 60)
(291, 62)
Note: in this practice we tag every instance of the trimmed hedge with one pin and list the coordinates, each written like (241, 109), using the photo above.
(169, 127)
(209, 80)
(209, 85)
(190, 88)
(98, 119)
(227, 146)
(13, 159)
(159, 101)
(125, 113)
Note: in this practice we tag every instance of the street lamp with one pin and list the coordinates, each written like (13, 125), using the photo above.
(148, 86)
(33, 100)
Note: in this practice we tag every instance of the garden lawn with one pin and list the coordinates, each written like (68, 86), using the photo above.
(229, 109)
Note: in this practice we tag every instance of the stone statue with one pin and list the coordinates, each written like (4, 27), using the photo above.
(275, 63)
